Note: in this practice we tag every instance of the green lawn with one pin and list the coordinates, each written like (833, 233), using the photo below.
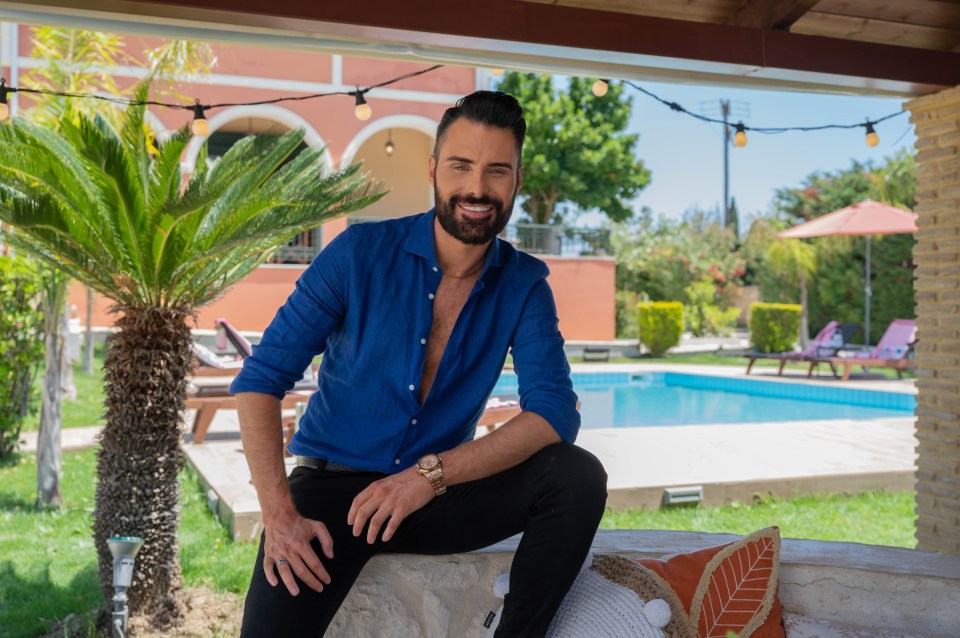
(87, 409)
(48, 565)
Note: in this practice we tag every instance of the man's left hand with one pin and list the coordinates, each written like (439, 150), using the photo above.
(389, 500)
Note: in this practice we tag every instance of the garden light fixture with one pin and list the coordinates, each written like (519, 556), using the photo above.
(872, 138)
(200, 126)
(124, 550)
(362, 109)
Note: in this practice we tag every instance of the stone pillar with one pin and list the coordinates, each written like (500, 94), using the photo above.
(937, 257)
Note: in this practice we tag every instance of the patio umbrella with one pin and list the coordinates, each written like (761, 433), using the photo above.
(865, 218)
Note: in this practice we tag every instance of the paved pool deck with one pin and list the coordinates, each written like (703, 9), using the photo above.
(731, 462)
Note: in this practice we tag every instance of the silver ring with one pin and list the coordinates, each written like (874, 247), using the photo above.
(283, 561)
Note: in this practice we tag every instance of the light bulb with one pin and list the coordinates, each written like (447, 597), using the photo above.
(497, 72)
(362, 110)
(872, 138)
(4, 106)
(599, 88)
(200, 126)
(740, 137)
(389, 148)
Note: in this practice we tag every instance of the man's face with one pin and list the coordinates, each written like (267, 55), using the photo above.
(475, 176)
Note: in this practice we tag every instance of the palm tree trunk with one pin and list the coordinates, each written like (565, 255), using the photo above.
(804, 323)
(145, 383)
(49, 460)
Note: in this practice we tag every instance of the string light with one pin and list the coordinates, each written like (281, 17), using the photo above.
(496, 72)
(4, 106)
(200, 126)
(362, 110)
(599, 88)
(740, 137)
(389, 147)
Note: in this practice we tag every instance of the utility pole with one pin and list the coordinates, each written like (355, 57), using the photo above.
(725, 112)
(738, 111)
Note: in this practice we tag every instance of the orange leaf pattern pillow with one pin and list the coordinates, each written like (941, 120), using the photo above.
(731, 587)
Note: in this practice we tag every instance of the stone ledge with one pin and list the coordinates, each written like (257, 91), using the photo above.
(403, 595)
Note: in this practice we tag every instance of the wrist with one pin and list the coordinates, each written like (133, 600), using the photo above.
(430, 467)
(279, 514)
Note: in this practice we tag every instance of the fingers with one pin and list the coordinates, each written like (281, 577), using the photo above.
(326, 540)
(296, 559)
(395, 519)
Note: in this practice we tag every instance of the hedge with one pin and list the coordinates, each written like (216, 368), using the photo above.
(660, 324)
(774, 327)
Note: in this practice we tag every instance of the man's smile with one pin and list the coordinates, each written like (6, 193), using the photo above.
(476, 210)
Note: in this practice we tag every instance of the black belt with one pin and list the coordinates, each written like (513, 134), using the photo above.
(323, 465)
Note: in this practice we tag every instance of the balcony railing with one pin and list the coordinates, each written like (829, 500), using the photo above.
(566, 241)
(536, 239)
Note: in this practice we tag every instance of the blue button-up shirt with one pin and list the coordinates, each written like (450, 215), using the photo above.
(366, 302)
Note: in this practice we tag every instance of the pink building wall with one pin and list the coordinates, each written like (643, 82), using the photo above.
(583, 288)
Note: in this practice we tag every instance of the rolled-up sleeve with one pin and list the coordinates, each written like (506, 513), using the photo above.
(300, 328)
(542, 370)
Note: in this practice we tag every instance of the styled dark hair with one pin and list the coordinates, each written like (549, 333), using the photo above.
(493, 108)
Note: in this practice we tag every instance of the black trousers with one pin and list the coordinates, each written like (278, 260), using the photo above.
(556, 498)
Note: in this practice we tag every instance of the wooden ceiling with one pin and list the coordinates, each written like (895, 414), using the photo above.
(921, 24)
(876, 47)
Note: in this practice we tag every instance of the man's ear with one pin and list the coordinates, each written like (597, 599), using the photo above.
(519, 180)
(432, 170)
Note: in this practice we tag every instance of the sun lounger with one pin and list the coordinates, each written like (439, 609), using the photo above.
(892, 351)
(827, 343)
(207, 406)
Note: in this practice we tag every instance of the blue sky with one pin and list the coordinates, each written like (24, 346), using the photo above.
(685, 155)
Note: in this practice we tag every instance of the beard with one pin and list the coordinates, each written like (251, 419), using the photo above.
(472, 231)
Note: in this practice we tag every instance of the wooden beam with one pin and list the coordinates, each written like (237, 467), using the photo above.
(771, 14)
(544, 24)
(535, 36)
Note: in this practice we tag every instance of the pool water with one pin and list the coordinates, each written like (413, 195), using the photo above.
(667, 398)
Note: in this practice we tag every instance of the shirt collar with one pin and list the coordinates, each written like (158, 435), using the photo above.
(421, 242)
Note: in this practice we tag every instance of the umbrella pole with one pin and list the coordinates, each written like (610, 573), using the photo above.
(868, 293)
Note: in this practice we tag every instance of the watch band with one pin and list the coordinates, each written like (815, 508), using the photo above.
(434, 474)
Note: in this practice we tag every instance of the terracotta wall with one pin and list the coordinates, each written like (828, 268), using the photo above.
(583, 288)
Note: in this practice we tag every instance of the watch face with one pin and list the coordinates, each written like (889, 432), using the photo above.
(429, 462)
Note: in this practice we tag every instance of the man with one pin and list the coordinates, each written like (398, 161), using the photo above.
(415, 317)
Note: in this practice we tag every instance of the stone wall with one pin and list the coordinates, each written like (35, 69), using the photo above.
(937, 257)
(877, 588)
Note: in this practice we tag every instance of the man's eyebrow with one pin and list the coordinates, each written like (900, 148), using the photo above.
(465, 160)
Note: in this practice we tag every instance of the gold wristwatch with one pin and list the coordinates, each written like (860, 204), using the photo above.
(431, 467)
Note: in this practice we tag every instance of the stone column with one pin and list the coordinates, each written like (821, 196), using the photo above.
(937, 257)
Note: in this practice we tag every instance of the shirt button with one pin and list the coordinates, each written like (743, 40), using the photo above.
(413, 421)
(423, 342)
(435, 269)
(396, 461)
(430, 295)
(412, 387)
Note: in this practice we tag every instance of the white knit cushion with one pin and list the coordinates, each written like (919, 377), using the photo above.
(595, 606)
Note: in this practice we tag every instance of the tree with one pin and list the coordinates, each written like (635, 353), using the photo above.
(91, 200)
(795, 261)
(76, 61)
(836, 286)
(576, 151)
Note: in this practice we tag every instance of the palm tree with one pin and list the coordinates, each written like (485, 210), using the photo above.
(91, 201)
(75, 61)
(794, 261)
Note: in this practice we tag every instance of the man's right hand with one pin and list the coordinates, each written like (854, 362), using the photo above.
(287, 551)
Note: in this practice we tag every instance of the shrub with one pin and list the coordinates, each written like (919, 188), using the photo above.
(660, 324)
(703, 315)
(21, 346)
(774, 327)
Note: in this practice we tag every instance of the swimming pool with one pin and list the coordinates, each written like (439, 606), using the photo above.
(623, 399)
